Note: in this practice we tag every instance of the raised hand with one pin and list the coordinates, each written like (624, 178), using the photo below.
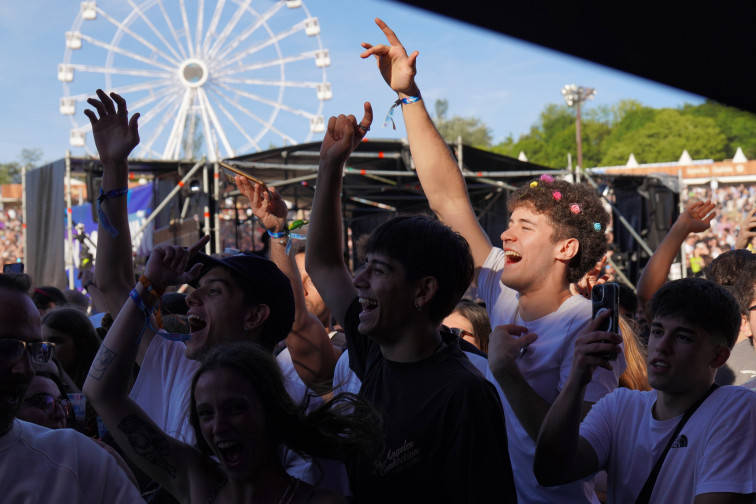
(591, 349)
(697, 217)
(747, 229)
(167, 264)
(397, 68)
(584, 286)
(506, 344)
(343, 135)
(267, 205)
(114, 134)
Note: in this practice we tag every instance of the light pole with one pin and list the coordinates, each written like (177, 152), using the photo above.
(574, 96)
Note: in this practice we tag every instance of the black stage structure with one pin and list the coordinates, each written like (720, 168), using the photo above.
(379, 182)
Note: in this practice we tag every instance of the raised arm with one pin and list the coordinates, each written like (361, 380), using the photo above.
(561, 454)
(437, 169)
(324, 258)
(747, 230)
(695, 219)
(164, 459)
(312, 353)
(115, 137)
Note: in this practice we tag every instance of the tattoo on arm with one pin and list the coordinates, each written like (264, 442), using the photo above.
(148, 442)
(102, 361)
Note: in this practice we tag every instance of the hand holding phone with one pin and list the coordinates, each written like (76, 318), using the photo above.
(605, 297)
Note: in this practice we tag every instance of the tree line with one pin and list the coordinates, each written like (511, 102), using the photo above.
(611, 133)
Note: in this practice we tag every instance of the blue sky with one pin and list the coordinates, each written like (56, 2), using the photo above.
(501, 80)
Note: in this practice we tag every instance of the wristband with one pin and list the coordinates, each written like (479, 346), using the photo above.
(400, 101)
(115, 193)
(154, 291)
(279, 234)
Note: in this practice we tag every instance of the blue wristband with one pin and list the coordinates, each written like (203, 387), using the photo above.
(101, 215)
(400, 101)
(278, 235)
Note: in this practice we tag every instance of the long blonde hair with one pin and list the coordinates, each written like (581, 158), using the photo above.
(636, 374)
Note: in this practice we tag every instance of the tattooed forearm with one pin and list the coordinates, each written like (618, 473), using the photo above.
(102, 361)
(148, 442)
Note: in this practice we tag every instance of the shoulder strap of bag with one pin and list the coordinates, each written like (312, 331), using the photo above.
(648, 487)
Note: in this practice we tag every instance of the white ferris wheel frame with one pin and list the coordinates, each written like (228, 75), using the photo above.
(193, 81)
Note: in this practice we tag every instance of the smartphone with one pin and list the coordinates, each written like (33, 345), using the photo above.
(231, 171)
(606, 297)
(16, 267)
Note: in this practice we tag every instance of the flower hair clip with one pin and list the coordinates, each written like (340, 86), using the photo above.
(546, 178)
(597, 226)
(575, 208)
(534, 184)
(556, 195)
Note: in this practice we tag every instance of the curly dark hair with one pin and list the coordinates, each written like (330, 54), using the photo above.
(557, 199)
(346, 427)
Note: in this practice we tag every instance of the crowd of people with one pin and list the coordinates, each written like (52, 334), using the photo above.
(11, 236)
(732, 227)
(292, 379)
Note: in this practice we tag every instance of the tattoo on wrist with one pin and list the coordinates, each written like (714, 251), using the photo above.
(102, 361)
(148, 442)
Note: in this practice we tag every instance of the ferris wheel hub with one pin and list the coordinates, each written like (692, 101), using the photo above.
(193, 73)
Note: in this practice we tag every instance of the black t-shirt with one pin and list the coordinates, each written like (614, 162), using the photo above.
(446, 439)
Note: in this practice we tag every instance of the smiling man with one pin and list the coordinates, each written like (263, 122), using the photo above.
(556, 234)
(684, 441)
(445, 433)
(38, 464)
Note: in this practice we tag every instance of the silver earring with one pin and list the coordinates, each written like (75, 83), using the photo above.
(418, 307)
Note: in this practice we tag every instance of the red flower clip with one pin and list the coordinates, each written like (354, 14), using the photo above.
(575, 208)
(557, 195)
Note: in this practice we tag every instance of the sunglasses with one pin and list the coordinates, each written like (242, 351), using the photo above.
(11, 350)
(461, 332)
(48, 403)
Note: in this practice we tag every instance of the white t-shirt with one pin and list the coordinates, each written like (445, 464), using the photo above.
(59, 466)
(162, 387)
(713, 453)
(546, 367)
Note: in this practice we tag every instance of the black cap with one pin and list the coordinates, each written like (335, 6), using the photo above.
(264, 283)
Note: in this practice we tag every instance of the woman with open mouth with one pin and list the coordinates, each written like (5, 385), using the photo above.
(242, 417)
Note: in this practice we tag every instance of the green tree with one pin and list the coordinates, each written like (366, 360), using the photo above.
(665, 137)
(737, 125)
(10, 173)
(554, 136)
(472, 130)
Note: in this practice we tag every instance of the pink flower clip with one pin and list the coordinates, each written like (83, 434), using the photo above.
(547, 178)
(557, 195)
(575, 208)
(534, 184)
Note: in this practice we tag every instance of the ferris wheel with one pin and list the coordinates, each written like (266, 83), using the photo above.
(209, 77)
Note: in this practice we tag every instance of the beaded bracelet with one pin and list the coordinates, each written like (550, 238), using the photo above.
(405, 101)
